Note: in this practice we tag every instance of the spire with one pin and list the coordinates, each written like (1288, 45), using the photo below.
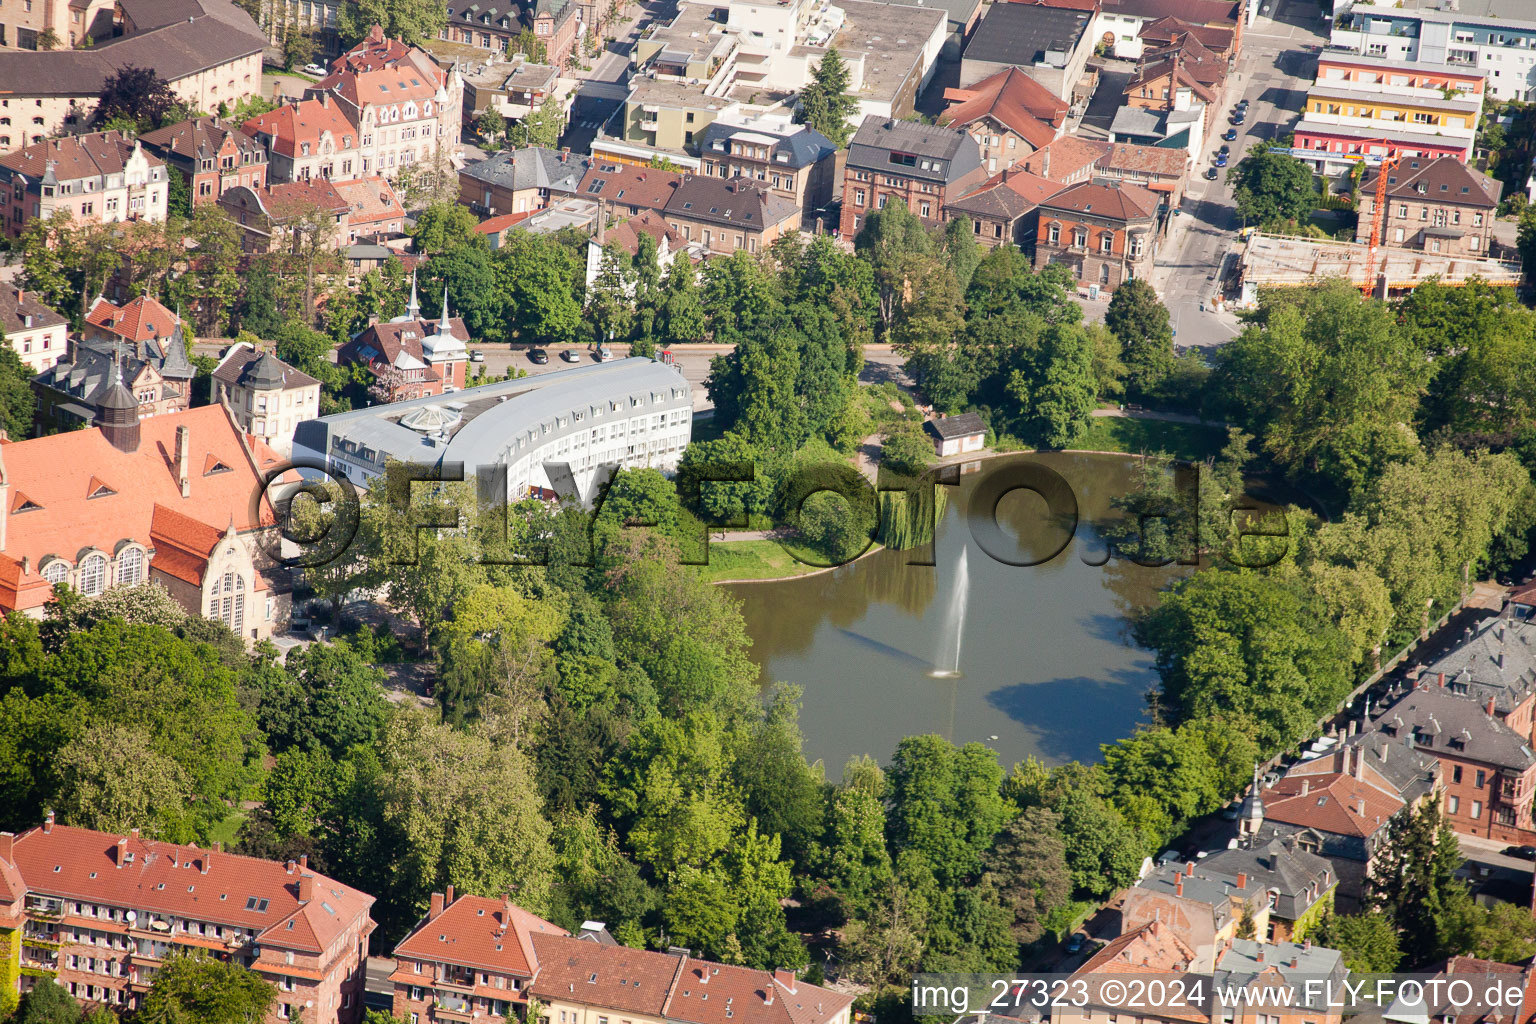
(414, 309)
(443, 327)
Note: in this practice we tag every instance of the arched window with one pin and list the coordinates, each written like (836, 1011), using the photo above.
(93, 575)
(56, 571)
(130, 567)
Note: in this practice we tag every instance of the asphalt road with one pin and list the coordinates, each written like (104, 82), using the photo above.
(1272, 76)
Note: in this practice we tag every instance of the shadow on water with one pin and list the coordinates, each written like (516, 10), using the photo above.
(1069, 717)
(889, 650)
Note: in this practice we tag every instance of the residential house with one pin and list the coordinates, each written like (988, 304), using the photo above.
(625, 237)
(1365, 107)
(1312, 972)
(134, 324)
(520, 181)
(1104, 233)
(1160, 170)
(794, 161)
(484, 969)
(1154, 947)
(1171, 83)
(406, 110)
(105, 176)
(266, 396)
(923, 166)
(1121, 23)
(495, 228)
(1498, 36)
(558, 24)
(1049, 44)
(207, 51)
(35, 332)
(1002, 209)
(484, 26)
(99, 912)
(1488, 768)
(175, 499)
(373, 208)
(670, 115)
(1168, 30)
(626, 189)
(1204, 910)
(583, 980)
(308, 138)
(210, 155)
(1068, 160)
(410, 357)
(282, 216)
(1009, 114)
(1301, 884)
(728, 215)
(1439, 205)
(1340, 803)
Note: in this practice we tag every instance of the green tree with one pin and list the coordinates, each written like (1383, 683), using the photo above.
(1138, 318)
(1271, 187)
(679, 314)
(112, 779)
(1056, 390)
(135, 96)
(178, 197)
(1367, 941)
(908, 452)
(410, 21)
(946, 804)
(540, 280)
(852, 858)
(1505, 932)
(1525, 238)
(1028, 868)
(1413, 884)
(825, 104)
(443, 227)
(47, 1002)
(17, 400)
(529, 45)
(193, 986)
(541, 126)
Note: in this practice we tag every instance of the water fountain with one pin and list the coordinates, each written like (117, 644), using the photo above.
(947, 666)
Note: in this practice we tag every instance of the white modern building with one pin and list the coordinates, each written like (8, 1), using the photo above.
(555, 434)
(1497, 36)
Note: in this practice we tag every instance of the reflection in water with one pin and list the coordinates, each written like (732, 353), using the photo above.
(1049, 667)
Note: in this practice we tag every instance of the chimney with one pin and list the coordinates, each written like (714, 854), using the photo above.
(785, 977)
(767, 995)
(1359, 761)
(1260, 954)
(447, 897)
(303, 860)
(1178, 886)
(1045, 162)
(1242, 879)
(7, 846)
(290, 866)
(1306, 786)
(306, 888)
(506, 911)
(1360, 807)
(183, 456)
(207, 856)
(1491, 704)
(436, 907)
(1442, 678)
(1189, 869)
(703, 974)
(1295, 961)
(48, 823)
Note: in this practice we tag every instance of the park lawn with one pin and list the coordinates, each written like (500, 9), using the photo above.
(226, 830)
(750, 560)
(1192, 441)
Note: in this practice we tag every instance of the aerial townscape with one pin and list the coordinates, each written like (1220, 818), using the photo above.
(703, 511)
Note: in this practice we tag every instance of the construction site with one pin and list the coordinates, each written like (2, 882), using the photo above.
(1278, 261)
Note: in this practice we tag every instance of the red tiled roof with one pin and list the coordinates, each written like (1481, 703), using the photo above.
(77, 156)
(310, 120)
(53, 472)
(1126, 156)
(640, 187)
(500, 223)
(138, 320)
(295, 198)
(1013, 99)
(1167, 29)
(187, 882)
(647, 222)
(1065, 157)
(486, 934)
(1124, 201)
(617, 977)
(370, 201)
(1154, 948)
(1330, 803)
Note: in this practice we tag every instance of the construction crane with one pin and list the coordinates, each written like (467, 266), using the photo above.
(1388, 162)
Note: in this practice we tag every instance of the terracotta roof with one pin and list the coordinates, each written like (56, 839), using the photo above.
(76, 156)
(647, 222)
(295, 198)
(486, 934)
(735, 202)
(499, 223)
(1121, 201)
(1169, 28)
(173, 880)
(1330, 803)
(383, 71)
(1065, 157)
(287, 128)
(387, 342)
(1194, 56)
(1014, 100)
(199, 136)
(1178, 72)
(53, 472)
(639, 187)
(371, 201)
(616, 977)
(137, 320)
(1126, 156)
(709, 993)
(1152, 948)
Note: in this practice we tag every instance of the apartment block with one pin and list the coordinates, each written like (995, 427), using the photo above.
(1498, 38)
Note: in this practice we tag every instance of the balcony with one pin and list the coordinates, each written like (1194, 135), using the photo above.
(463, 984)
(650, 126)
(451, 1008)
(42, 907)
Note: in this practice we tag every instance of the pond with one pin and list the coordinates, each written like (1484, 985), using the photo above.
(1046, 664)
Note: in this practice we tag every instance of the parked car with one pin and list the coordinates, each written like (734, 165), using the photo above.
(604, 353)
(1230, 135)
(1523, 852)
(316, 70)
(476, 356)
(538, 355)
(1075, 943)
(1239, 117)
(1242, 104)
(1221, 159)
(1210, 174)
(570, 355)
(1224, 150)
